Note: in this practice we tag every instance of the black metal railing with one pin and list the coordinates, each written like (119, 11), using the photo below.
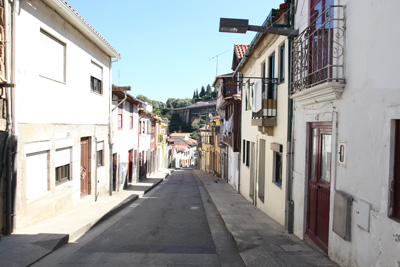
(318, 52)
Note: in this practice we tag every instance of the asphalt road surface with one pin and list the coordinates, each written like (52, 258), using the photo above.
(175, 224)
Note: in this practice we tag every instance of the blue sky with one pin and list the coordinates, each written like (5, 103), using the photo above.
(167, 47)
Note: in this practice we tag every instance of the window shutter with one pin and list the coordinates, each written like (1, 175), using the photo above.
(36, 175)
(63, 157)
(100, 146)
(52, 58)
(96, 71)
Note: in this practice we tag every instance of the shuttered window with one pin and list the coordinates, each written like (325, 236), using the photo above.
(100, 154)
(52, 57)
(63, 165)
(96, 78)
(37, 175)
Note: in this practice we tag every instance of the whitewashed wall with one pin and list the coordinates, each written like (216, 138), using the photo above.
(50, 114)
(361, 118)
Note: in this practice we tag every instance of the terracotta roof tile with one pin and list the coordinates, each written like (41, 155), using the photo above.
(179, 134)
(240, 50)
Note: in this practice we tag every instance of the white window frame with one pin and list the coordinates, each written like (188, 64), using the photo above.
(63, 158)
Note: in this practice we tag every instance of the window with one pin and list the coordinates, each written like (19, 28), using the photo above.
(63, 165)
(100, 154)
(282, 63)
(271, 66)
(248, 154)
(37, 174)
(52, 57)
(120, 110)
(96, 78)
(277, 168)
(247, 90)
(263, 65)
(321, 41)
(395, 185)
(95, 85)
(131, 116)
(244, 151)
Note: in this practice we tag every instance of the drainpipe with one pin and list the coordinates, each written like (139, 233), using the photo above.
(95, 170)
(11, 145)
(289, 220)
(110, 160)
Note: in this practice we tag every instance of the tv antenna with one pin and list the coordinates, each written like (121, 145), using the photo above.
(216, 71)
(119, 76)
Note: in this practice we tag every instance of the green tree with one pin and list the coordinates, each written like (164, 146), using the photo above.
(202, 92)
(209, 90)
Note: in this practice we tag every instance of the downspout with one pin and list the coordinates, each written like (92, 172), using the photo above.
(110, 160)
(11, 151)
(290, 133)
(95, 170)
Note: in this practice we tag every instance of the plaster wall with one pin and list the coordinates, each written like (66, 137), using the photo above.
(362, 118)
(53, 114)
(124, 140)
(42, 100)
(59, 197)
(274, 203)
(233, 168)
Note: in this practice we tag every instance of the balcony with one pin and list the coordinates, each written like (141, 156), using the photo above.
(265, 104)
(318, 58)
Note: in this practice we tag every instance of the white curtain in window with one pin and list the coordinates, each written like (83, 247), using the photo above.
(63, 157)
(96, 71)
(257, 96)
(52, 57)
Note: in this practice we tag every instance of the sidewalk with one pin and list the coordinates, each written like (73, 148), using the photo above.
(27, 245)
(261, 241)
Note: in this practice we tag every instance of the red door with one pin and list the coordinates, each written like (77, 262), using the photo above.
(115, 164)
(130, 165)
(319, 179)
(85, 166)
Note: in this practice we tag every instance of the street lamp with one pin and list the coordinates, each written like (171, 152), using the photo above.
(242, 26)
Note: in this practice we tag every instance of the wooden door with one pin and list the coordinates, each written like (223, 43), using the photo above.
(85, 166)
(130, 165)
(319, 178)
(115, 165)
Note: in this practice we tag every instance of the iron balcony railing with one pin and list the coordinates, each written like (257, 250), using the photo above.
(267, 102)
(318, 52)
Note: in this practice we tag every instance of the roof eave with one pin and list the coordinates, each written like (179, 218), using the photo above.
(63, 10)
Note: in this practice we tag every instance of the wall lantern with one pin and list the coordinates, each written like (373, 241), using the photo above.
(242, 26)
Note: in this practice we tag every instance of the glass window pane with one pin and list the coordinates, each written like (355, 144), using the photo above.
(326, 153)
(313, 153)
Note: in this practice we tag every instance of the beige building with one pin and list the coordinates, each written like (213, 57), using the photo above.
(264, 121)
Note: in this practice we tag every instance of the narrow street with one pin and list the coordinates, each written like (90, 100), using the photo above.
(170, 226)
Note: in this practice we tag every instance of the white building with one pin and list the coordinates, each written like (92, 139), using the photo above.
(125, 138)
(145, 126)
(62, 69)
(184, 149)
(346, 181)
